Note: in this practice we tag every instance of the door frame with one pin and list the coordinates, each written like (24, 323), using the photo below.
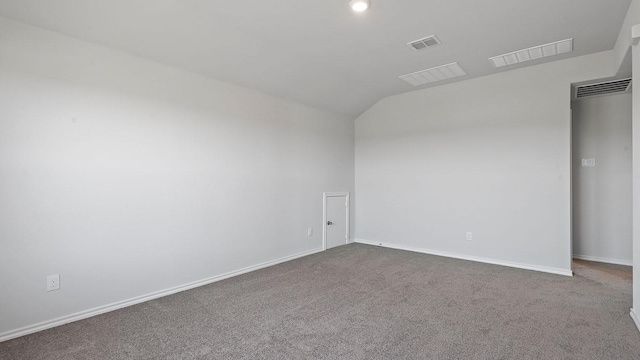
(326, 195)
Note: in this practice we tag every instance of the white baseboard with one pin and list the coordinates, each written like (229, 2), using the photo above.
(557, 271)
(636, 318)
(12, 334)
(603, 260)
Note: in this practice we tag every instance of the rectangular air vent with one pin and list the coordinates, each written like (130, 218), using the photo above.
(422, 44)
(435, 74)
(536, 52)
(604, 88)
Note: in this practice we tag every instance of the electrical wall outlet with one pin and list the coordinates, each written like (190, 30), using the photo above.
(53, 282)
(469, 236)
(310, 232)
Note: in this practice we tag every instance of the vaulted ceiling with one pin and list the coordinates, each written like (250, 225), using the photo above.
(320, 53)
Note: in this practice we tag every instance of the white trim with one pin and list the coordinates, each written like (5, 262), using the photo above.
(325, 195)
(636, 318)
(603, 260)
(12, 334)
(635, 35)
(557, 271)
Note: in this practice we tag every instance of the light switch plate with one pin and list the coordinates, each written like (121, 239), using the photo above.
(588, 162)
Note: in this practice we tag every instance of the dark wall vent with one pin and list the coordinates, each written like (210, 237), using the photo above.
(605, 88)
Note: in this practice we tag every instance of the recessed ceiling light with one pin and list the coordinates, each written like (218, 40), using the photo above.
(536, 52)
(360, 5)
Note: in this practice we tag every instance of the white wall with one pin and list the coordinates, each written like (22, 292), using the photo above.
(602, 195)
(489, 155)
(621, 47)
(128, 177)
(636, 185)
(621, 51)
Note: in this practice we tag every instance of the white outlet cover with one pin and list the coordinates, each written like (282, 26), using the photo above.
(310, 232)
(53, 282)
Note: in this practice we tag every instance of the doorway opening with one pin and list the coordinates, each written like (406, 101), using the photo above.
(601, 176)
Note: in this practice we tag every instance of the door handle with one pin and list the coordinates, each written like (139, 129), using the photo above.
(329, 223)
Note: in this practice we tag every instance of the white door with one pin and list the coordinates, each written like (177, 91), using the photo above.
(336, 225)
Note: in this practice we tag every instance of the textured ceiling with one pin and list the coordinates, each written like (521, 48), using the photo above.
(319, 52)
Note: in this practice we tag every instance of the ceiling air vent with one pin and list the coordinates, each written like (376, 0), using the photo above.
(422, 44)
(533, 53)
(605, 88)
(435, 74)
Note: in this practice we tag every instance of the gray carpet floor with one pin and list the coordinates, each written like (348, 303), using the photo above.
(365, 302)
